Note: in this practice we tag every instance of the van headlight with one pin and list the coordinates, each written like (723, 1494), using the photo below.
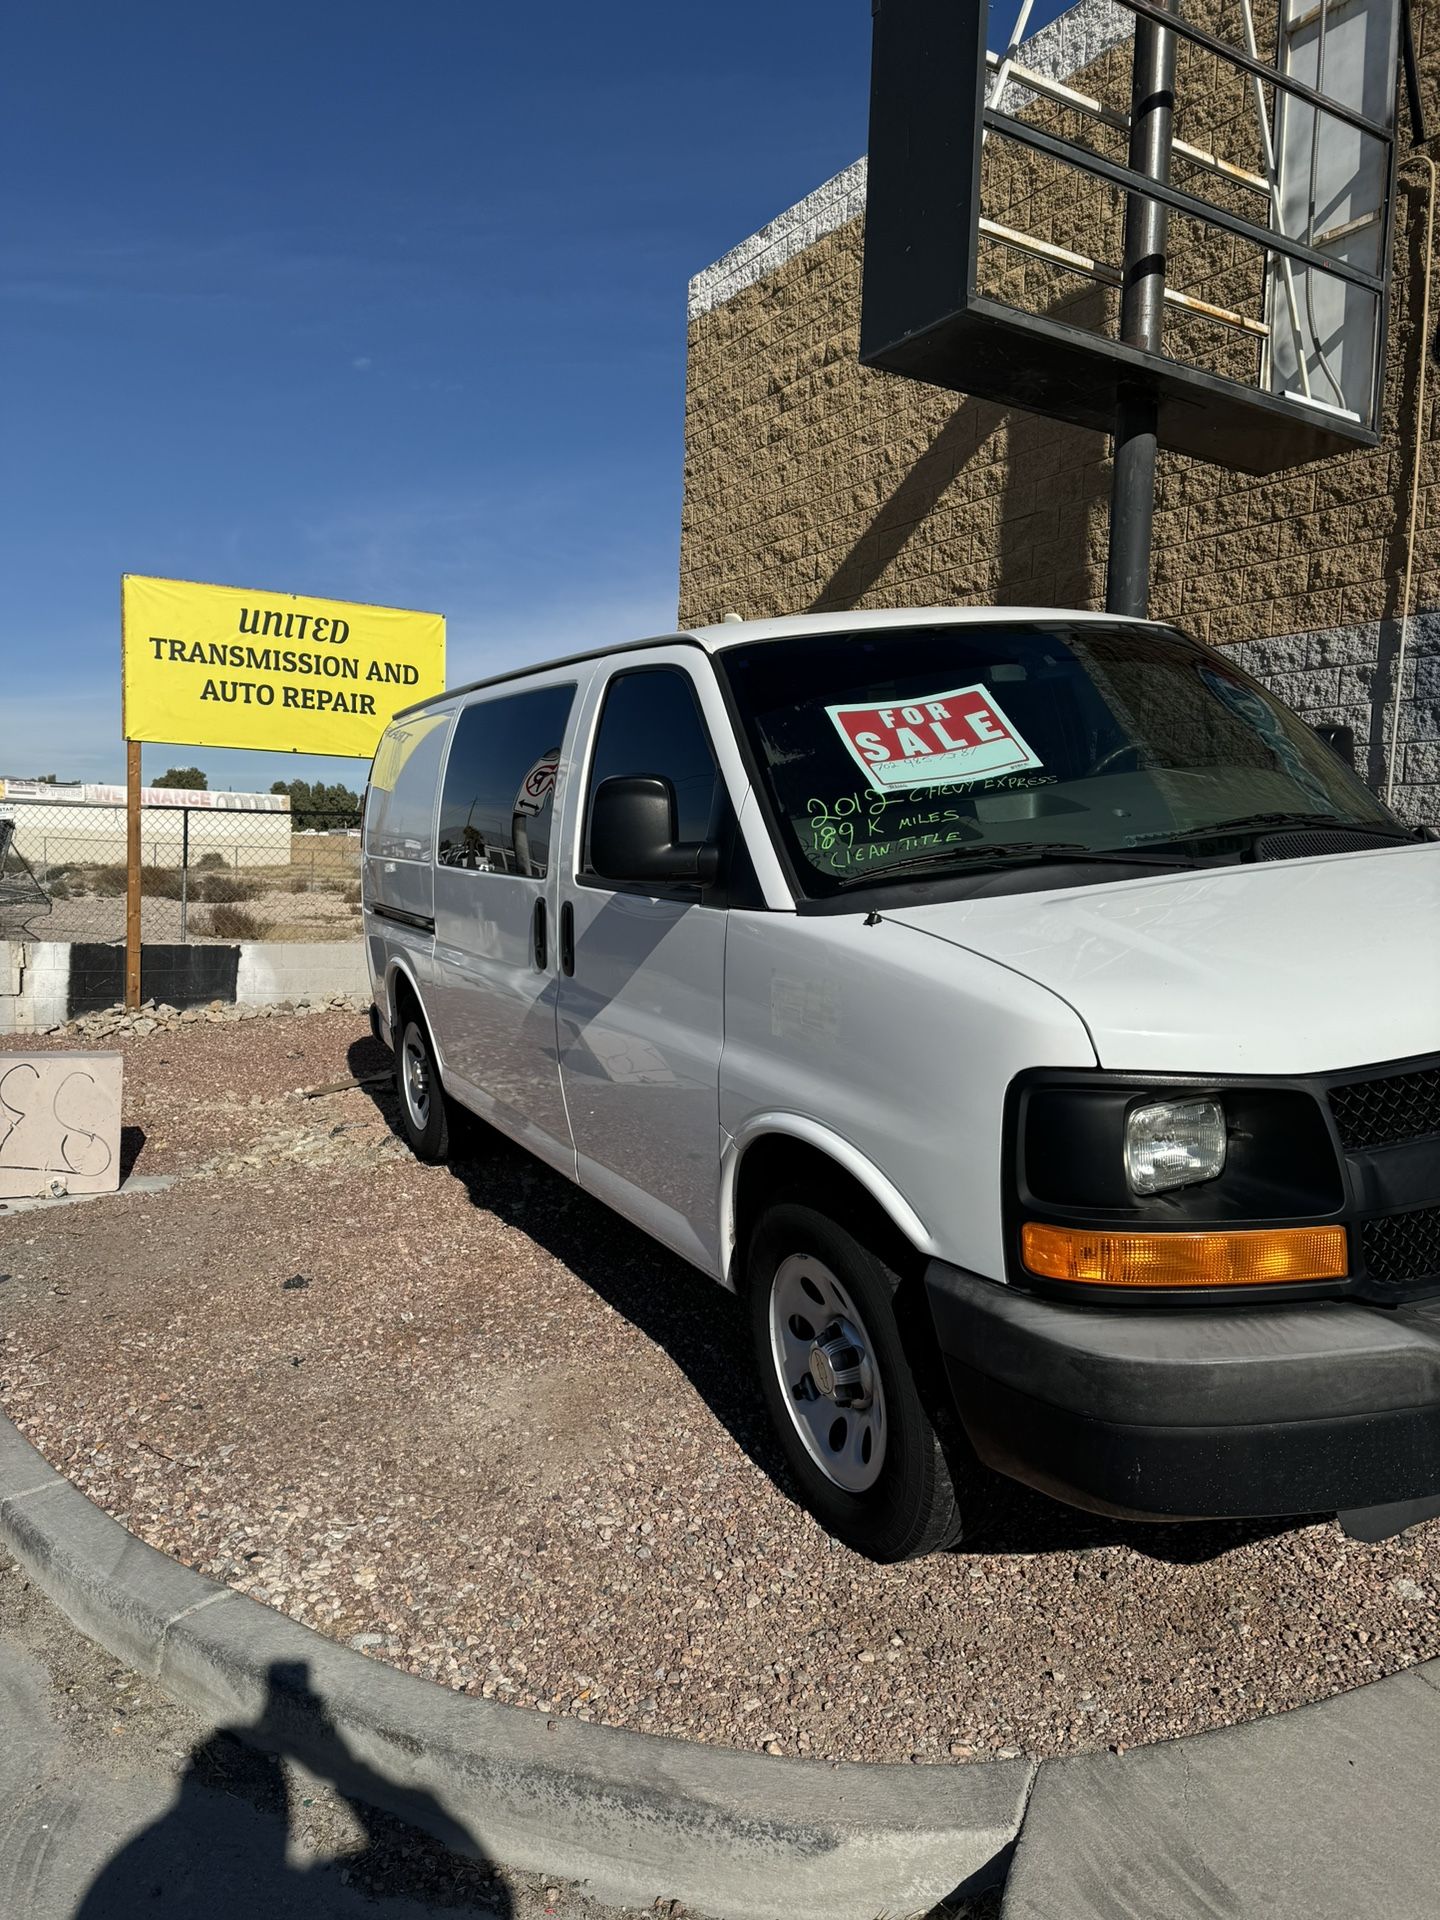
(1156, 1185)
(1174, 1143)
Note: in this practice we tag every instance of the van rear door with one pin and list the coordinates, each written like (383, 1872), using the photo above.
(398, 848)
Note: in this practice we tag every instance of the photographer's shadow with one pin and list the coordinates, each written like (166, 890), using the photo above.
(209, 1858)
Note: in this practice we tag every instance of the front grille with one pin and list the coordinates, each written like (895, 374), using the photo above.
(1383, 1113)
(1403, 1249)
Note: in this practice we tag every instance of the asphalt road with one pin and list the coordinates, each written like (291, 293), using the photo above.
(116, 1803)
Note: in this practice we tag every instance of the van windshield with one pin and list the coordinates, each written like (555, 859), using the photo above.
(936, 748)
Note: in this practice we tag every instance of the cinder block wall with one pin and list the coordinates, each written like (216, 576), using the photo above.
(813, 483)
(46, 982)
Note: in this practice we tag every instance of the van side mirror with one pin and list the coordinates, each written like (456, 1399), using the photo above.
(632, 835)
(1342, 739)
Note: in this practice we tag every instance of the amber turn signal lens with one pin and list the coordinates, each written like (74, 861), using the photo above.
(1244, 1259)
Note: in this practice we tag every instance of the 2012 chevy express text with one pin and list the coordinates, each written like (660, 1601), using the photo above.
(1030, 1017)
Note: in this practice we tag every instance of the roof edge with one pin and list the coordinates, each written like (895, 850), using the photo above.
(719, 637)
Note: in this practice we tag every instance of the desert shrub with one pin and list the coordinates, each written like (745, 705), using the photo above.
(224, 888)
(233, 923)
(297, 883)
(209, 861)
(352, 894)
(59, 889)
(156, 883)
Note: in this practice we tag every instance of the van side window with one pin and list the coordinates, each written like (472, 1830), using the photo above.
(651, 724)
(400, 807)
(495, 812)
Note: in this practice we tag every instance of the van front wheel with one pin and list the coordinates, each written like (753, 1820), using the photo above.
(422, 1098)
(840, 1389)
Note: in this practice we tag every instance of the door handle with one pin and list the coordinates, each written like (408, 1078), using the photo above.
(542, 949)
(567, 939)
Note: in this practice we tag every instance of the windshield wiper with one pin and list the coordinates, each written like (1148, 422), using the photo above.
(965, 852)
(1259, 822)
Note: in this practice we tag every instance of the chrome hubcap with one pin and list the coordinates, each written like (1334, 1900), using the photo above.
(840, 1367)
(822, 1355)
(415, 1075)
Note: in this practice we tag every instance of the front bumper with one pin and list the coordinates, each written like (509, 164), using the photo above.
(1175, 1413)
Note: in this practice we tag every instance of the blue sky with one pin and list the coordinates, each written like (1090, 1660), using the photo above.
(380, 303)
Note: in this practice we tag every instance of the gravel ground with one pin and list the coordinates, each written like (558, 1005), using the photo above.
(468, 1421)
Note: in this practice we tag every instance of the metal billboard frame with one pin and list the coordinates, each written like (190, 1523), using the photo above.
(923, 314)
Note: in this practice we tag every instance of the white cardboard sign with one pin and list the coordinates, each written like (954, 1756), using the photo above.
(59, 1123)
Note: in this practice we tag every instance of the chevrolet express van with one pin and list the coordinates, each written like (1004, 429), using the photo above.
(1035, 1022)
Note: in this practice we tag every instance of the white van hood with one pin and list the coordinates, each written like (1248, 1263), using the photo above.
(1295, 966)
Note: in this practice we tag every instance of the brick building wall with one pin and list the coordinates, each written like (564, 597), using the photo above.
(813, 483)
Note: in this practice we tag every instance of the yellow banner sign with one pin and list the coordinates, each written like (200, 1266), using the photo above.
(229, 667)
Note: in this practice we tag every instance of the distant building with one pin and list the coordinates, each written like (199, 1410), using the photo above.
(82, 824)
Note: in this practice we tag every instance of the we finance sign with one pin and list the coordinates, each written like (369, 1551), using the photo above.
(207, 666)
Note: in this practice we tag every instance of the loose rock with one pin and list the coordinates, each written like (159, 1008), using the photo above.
(507, 1442)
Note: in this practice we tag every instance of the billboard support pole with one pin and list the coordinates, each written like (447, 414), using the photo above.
(1142, 310)
(132, 873)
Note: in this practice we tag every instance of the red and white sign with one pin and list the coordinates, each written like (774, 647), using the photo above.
(538, 785)
(939, 740)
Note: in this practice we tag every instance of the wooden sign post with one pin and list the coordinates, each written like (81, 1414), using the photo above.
(132, 873)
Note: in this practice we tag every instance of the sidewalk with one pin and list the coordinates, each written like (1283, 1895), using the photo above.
(1327, 1813)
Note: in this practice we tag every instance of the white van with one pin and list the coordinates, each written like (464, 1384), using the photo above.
(1035, 1022)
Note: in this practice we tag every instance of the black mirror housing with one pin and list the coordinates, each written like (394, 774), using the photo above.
(1342, 739)
(632, 836)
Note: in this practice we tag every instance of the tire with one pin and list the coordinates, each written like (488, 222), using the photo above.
(423, 1113)
(814, 1283)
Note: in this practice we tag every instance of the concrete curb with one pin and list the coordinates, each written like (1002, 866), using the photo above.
(631, 1815)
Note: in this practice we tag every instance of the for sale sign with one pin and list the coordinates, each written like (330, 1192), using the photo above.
(939, 740)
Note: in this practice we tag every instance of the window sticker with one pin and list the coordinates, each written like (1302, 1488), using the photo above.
(942, 740)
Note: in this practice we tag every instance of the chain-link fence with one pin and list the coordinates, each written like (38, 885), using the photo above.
(206, 875)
